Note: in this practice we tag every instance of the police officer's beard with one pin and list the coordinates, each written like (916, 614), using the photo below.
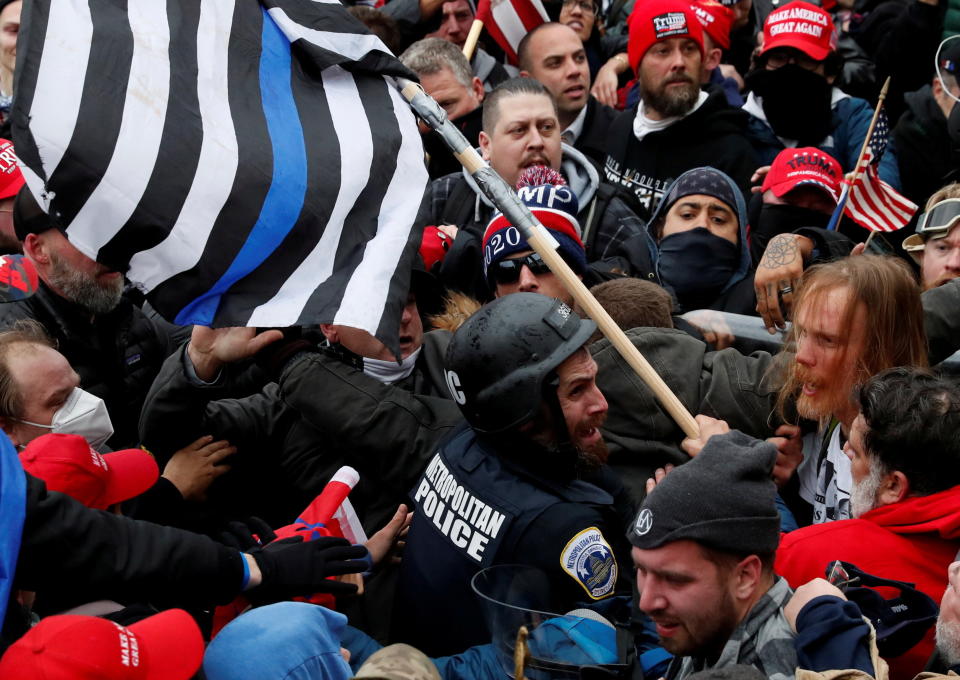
(84, 290)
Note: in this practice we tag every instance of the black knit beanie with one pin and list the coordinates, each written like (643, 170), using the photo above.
(723, 499)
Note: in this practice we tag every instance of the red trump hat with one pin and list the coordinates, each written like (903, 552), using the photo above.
(67, 463)
(165, 646)
(653, 21)
(802, 26)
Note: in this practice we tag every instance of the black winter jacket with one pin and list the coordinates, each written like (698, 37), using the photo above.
(927, 157)
(293, 437)
(714, 135)
(72, 552)
(117, 354)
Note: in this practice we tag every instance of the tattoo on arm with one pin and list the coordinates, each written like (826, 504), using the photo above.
(781, 251)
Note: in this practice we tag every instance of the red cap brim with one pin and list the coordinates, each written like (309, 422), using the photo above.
(816, 52)
(171, 645)
(782, 188)
(132, 471)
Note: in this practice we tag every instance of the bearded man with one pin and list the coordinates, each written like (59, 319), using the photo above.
(904, 451)
(853, 318)
(112, 344)
(676, 127)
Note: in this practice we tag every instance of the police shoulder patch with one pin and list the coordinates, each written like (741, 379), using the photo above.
(589, 560)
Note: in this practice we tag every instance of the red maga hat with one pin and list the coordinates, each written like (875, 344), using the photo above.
(67, 464)
(806, 165)
(11, 179)
(802, 26)
(165, 646)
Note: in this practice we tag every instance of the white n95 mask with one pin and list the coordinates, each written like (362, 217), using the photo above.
(83, 414)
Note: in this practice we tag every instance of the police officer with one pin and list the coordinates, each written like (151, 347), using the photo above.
(521, 482)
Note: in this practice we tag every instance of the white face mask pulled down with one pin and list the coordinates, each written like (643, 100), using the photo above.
(83, 414)
(390, 371)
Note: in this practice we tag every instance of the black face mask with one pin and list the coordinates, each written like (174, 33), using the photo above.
(796, 102)
(696, 265)
(781, 219)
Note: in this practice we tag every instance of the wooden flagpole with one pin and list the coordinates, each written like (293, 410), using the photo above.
(472, 37)
(850, 181)
(540, 240)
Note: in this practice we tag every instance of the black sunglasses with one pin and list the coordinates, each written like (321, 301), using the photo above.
(508, 271)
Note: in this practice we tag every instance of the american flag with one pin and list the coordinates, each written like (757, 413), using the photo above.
(872, 203)
(507, 21)
(245, 162)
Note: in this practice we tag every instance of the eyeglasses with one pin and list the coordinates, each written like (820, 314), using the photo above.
(508, 271)
(584, 5)
(778, 58)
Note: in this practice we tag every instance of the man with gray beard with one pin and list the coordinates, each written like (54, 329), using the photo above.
(112, 344)
(904, 449)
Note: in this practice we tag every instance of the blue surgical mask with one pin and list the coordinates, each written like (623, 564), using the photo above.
(83, 414)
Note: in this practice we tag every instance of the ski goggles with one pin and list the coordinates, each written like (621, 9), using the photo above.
(941, 217)
(935, 223)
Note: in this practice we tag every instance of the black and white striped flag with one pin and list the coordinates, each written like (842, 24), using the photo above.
(251, 161)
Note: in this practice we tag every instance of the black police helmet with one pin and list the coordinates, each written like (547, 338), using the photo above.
(498, 360)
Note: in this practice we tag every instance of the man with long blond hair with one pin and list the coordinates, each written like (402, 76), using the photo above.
(854, 318)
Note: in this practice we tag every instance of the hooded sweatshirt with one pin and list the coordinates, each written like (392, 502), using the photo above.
(737, 293)
(914, 540)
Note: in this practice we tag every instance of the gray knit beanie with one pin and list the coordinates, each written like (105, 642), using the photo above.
(723, 499)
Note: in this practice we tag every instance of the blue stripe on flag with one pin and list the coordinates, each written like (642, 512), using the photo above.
(284, 200)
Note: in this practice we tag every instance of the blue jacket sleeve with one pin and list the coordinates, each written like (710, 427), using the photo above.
(855, 116)
(832, 635)
(477, 663)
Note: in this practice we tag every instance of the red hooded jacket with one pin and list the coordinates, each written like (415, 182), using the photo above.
(914, 540)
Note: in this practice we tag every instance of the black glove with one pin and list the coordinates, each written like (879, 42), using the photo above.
(240, 535)
(293, 566)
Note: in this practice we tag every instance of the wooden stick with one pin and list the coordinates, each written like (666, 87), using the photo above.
(546, 246)
(472, 37)
(853, 176)
(873, 124)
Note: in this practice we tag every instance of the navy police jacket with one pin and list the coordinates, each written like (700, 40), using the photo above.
(476, 508)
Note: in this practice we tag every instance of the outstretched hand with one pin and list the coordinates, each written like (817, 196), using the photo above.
(193, 468)
(211, 348)
(389, 541)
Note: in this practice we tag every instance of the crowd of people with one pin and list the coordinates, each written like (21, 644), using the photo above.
(517, 493)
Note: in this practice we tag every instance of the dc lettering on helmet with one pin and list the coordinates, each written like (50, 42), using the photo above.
(453, 384)
(466, 521)
(589, 560)
(671, 23)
